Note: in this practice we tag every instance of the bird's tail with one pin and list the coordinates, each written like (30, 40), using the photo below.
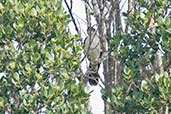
(94, 75)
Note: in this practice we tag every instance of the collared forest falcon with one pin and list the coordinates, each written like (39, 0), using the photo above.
(93, 52)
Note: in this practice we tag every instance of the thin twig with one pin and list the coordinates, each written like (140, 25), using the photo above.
(80, 19)
(73, 19)
(89, 5)
(71, 4)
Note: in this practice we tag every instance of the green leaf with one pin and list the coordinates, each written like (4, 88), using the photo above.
(51, 91)
(48, 55)
(160, 20)
(78, 48)
(34, 12)
(166, 75)
(165, 39)
(13, 81)
(64, 72)
(36, 56)
(20, 8)
(118, 88)
(16, 76)
(27, 66)
(1, 102)
(160, 89)
(102, 91)
(12, 65)
(31, 2)
(61, 84)
(20, 23)
(8, 29)
(84, 111)
(166, 82)
(2, 29)
(125, 14)
(114, 99)
(144, 85)
(127, 71)
(33, 43)
(168, 21)
(152, 100)
(29, 98)
(38, 76)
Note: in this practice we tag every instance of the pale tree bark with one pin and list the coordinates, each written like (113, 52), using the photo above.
(118, 79)
(158, 62)
(130, 10)
(108, 19)
(106, 15)
(87, 10)
(158, 66)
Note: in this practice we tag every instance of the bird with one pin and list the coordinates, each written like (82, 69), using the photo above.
(92, 50)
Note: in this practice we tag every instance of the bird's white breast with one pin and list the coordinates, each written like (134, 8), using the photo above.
(93, 48)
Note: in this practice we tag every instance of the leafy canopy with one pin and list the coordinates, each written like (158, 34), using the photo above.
(143, 89)
(38, 59)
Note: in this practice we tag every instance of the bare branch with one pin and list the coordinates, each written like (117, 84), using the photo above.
(71, 2)
(73, 19)
(80, 19)
(88, 18)
(118, 17)
(96, 14)
(167, 110)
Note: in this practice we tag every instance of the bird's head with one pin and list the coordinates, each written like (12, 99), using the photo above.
(91, 30)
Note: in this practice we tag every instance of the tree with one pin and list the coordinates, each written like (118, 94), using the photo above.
(137, 65)
(39, 58)
(144, 52)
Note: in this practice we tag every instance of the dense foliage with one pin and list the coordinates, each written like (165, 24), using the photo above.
(38, 59)
(143, 89)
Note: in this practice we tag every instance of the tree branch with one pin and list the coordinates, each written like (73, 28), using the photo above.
(73, 19)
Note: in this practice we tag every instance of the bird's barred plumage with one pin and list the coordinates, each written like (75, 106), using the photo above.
(93, 52)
